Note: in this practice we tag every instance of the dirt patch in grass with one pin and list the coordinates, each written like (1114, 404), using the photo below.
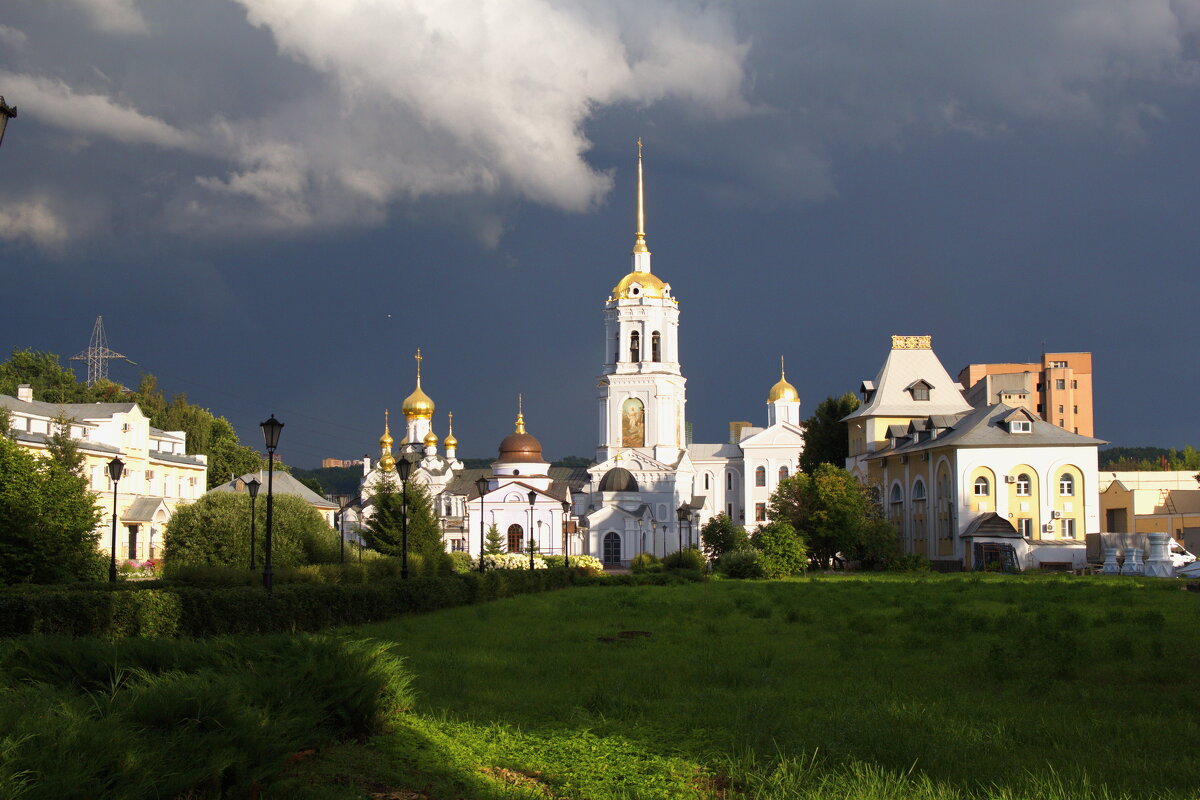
(519, 778)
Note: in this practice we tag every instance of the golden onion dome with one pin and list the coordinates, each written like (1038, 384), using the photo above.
(386, 440)
(431, 439)
(783, 390)
(387, 463)
(641, 284)
(450, 441)
(418, 405)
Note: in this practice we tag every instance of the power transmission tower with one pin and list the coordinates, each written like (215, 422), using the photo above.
(97, 355)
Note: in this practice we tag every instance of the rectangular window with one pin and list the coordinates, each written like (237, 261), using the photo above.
(1039, 408)
(1074, 409)
(1060, 408)
(1060, 383)
(729, 510)
(1058, 365)
(1062, 423)
(1020, 426)
(760, 512)
(1074, 384)
(1077, 430)
(1068, 528)
(1025, 527)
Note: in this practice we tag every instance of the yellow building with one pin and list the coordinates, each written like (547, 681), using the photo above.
(1152, 502)
(159, 474)
(965, 485)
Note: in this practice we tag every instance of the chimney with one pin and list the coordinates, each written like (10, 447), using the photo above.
(25, 393)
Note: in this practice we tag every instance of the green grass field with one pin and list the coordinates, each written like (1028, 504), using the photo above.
(887, 686)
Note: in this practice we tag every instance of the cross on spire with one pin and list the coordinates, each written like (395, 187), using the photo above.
(418, 358)
(639, 245)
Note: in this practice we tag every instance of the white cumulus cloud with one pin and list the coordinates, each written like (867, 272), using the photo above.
(33, 221)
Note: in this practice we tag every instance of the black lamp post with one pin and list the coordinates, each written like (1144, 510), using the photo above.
(532, 500)
(252, 487)
(7, 112)
(342, 535)
(693, 539)
(566, 542)
(404, 469)
(481, 484)
(271, 430)
(683, 516)
(642, 530)
(116, 468)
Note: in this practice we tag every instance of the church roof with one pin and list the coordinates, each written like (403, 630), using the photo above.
(704, 452)
(618, 479)
(283, 483)
(991, 524)
(562, 481)
(910, 361)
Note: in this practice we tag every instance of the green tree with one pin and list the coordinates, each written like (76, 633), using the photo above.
(495, 544)
(63, 450)
(385, 529)
(216, 530)
(48, 521)
(50, 381)
(879, 545)
(721, 535)
(829, 508)
(782, 551)
(826, 437)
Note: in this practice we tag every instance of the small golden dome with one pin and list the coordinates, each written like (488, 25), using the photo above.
(386, 440)
(648, 285)
(450, 441)
(418, 405)
(783, 390)
(387, 463)
(431, 439)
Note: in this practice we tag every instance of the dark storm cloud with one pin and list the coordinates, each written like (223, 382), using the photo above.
(858, 166)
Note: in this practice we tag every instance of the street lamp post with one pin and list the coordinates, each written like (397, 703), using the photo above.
(342, 535)
(481, 483)
(252, 487)
(7, 112)
(642, 530)
(404, 469)
(116, 468)
(694, 540)
(532, 500)
(271, 430)
(566, 542)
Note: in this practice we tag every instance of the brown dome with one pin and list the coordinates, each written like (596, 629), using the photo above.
(520, 447)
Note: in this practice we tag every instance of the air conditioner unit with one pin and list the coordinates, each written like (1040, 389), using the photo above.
(1010, 478)
(1048, 527)
(1056, 514)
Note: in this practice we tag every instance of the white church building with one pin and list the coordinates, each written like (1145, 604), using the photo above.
(650, 489)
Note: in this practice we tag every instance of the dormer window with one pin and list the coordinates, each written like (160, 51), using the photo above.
(1020, 426)
(919, 390)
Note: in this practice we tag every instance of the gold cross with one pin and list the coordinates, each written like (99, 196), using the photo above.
(418, 357)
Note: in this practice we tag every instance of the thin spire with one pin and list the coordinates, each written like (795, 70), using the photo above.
(418, 358)
(450, 423)
(782, 373)
(385, 421)
(520, 416)
(639, 245)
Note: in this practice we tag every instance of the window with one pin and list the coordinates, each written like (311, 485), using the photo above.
(1058, 365)
(1066, 485)
(920, 393)
(1074, 409)
(1061, 383)
(983, 487)
(760, 512)
(1074, 384)
(728, 482)
(1023, 484)
(655, 347)
(1020, 426)
(1068, 528)
(1025, 527)
(918, 492)
(635, 346)
(1039, 408)
(1062, 423)
(783, 473)
(707, 481)
(760, 476)
(729, 510)
(1060, 408)
(1039, 387)
(515, 534)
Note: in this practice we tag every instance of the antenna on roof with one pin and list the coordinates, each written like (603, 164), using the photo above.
(97, 355)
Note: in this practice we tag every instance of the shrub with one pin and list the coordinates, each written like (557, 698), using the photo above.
(910, 562)
(744, 563)
(461, 561)
(513, 561)
(720, 535)
(781, 550)
(878, 545)
(688, 558)
(645, 562)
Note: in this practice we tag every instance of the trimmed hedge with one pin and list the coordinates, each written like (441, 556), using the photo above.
(168, 611)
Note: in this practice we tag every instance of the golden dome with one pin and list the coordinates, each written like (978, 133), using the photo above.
(386, 440)
(431, 439)
(387, 463)
(783, 390)
(648, 285)
(418, 405)
(450, 441)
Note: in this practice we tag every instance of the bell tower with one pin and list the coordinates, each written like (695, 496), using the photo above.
(640, 390)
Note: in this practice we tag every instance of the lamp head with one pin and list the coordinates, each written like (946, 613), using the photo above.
(532, 497)
(683, 514)
(116, 468)
(566, 507)
(404, 467)
(252, 487)
(481, 484)
(271, 429)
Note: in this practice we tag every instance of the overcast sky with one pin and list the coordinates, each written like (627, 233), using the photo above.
(273, 203)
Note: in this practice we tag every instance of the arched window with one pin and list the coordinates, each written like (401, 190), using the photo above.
(897, 494)
(918, 490)
(635, 346)
(612, 548)
(515, 536)
(760, 476)
(1066, 485)
(783, 473)
(707, 481)
(1023, 484)
(897, 504)
(728, 481)
(982, 487)
(655, 347)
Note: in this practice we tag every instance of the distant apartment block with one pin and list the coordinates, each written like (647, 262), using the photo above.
(1058, 389)
(340, 462)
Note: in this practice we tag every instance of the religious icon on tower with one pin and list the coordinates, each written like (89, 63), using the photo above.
(633, 423)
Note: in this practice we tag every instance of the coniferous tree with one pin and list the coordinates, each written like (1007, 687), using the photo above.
(826, 437)
(495, 544)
